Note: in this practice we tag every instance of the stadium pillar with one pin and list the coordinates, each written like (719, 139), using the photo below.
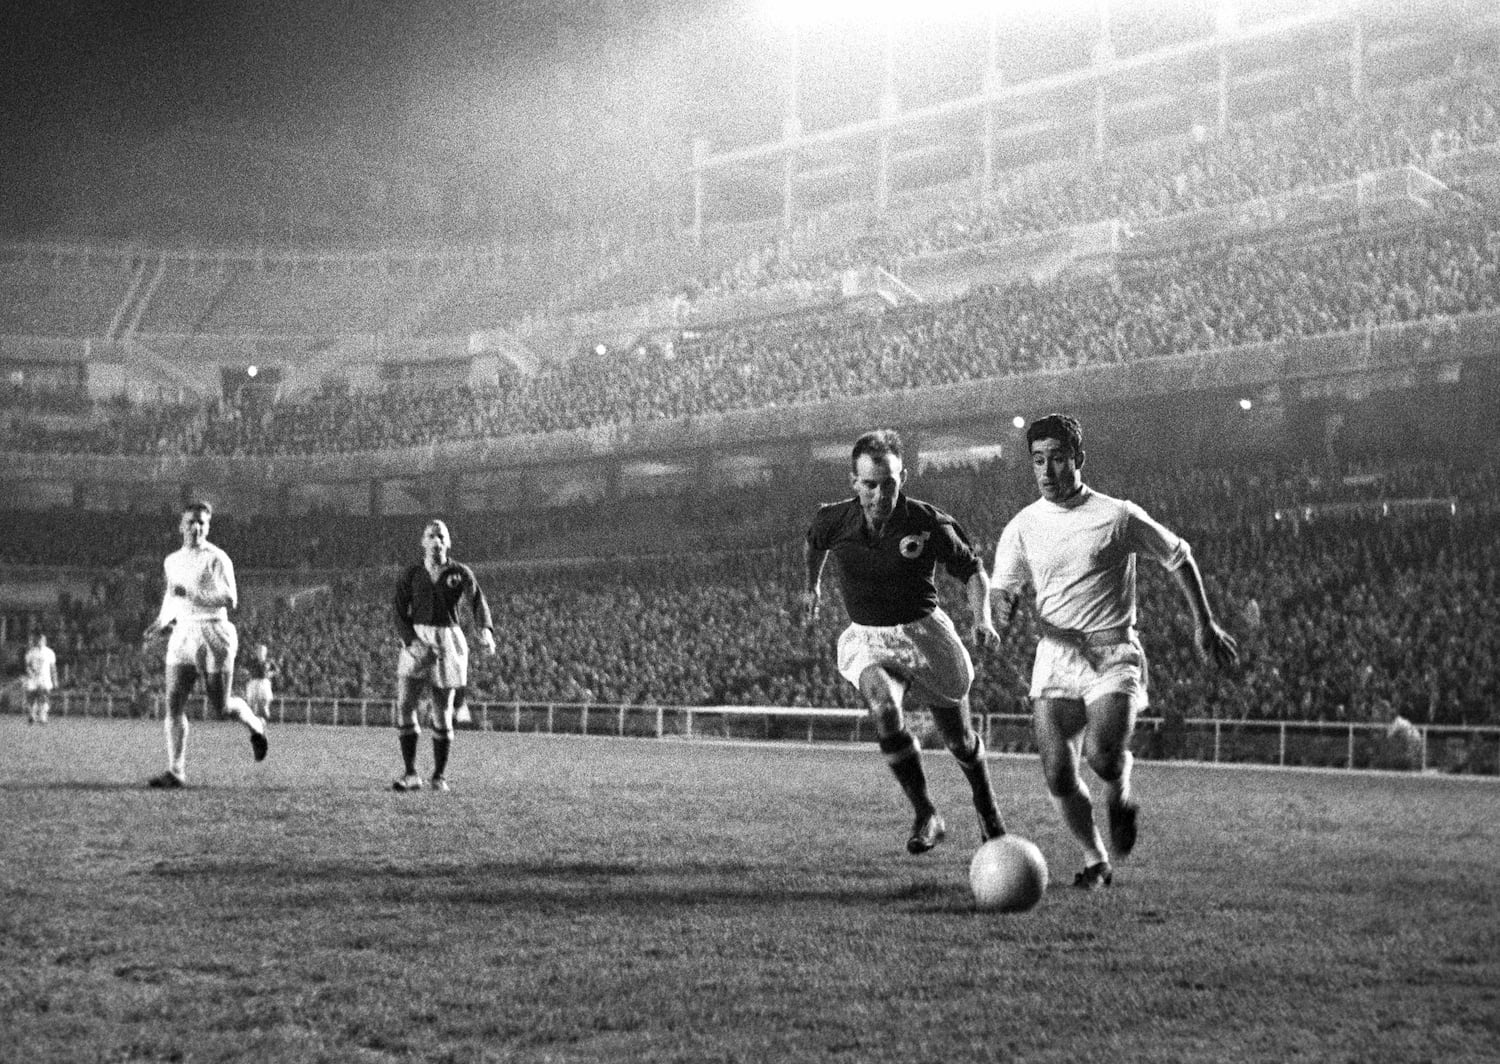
(1223, 111)
(890, 108)
(992, 83)
(1357, 59)
(791, 131)
(789, 175)
(700, 153)
(1104, 57)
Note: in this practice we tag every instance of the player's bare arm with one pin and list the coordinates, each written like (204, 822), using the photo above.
(814, 559)
(1212, 641)
(1003, 604)
(981, 611)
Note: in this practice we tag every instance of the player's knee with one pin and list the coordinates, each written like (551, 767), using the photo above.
(408, 727)
(1107, 760)
(1062, 782)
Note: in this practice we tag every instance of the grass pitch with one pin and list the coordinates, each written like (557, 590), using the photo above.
(583, 899)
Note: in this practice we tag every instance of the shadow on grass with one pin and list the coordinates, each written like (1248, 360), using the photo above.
(113, 786)
(579, 885)
(81, 786)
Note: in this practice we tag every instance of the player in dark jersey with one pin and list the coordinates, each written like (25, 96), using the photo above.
(260, 670)
(901, 650)
(434, 655)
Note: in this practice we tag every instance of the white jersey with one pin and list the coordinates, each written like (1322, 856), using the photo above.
(1079, 555)
(41, 669)
(207, 573)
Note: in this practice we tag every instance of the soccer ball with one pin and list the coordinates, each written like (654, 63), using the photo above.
(1008, 874)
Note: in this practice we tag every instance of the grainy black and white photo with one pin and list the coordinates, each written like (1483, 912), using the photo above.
(750, 531)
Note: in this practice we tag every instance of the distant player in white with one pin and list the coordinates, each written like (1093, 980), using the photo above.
(40, 679)
(1077, 548)
(200, 593)
(260, 670)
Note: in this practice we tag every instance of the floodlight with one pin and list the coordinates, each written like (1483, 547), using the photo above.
(812, 12)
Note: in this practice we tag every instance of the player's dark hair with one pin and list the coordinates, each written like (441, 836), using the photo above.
(199, 506)
(1064, 427)
(877, 445)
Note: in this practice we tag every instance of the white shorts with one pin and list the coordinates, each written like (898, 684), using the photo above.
(927, 652)
(208, 646)
(1085, 674)
(258, 694)
(36, 687)
(446, 661)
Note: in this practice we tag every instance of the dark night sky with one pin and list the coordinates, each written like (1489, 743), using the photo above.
(396, 83)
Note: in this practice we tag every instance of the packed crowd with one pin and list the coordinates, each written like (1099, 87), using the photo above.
(1190, 301)
(1353, 617)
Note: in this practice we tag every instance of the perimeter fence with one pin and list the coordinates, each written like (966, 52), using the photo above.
(1453, 749)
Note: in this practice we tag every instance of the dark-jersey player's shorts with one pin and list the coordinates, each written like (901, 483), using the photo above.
(442, 658)
(927, 653)
(208, 646)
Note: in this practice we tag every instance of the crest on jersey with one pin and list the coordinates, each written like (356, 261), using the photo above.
(454, 580)
(913, 545)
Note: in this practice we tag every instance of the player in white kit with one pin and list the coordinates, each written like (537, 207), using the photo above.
(1077, 548)
(40, 679)
(200, 593)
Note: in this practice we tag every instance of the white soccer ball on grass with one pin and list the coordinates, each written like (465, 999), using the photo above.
(1008, 874)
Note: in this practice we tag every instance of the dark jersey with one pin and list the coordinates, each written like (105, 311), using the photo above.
(260, 670)
(888, 580)
(422, 600)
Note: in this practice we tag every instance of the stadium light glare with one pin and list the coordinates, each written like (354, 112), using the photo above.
(1227, 18)
(798, 13)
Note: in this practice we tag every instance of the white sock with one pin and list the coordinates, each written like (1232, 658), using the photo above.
(177, 734)
(249, 720)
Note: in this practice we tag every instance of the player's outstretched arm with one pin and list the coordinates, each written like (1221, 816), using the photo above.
(981, 611)
(1212, 641)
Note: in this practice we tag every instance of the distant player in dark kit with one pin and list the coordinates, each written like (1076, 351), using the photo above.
(260, 670)
(902, 651)
(201, 590)
(1076, 548)
(434, 655)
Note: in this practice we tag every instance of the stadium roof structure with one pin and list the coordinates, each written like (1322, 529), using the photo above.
(962, 143)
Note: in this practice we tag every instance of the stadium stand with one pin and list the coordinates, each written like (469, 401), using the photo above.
(1357, 591)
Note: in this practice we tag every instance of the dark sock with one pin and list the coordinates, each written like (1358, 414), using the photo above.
(409, 752)
(440, 747)
(977, 771)
(904, 757)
